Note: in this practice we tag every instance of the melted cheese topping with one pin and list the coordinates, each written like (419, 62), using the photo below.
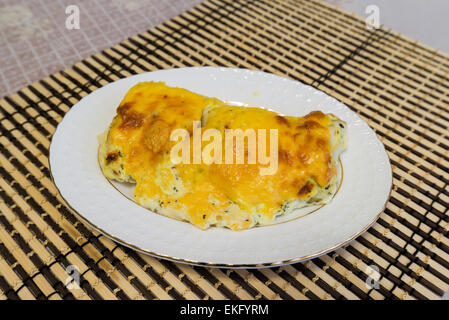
(137, 149)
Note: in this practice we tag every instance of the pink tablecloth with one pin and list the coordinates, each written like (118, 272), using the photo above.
(34, 40)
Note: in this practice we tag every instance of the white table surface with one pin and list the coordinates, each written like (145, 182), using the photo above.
(422, 20)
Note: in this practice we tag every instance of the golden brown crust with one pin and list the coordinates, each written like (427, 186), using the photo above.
(138, 146)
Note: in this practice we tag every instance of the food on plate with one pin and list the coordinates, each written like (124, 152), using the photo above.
(286, 162)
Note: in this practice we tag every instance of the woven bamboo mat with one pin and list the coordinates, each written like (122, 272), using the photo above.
(400, 87)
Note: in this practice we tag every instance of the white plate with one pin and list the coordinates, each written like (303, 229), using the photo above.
(361, 198)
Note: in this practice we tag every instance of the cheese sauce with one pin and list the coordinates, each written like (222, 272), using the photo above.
(137, 149)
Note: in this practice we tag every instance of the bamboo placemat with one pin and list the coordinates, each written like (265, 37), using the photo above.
(398, 86)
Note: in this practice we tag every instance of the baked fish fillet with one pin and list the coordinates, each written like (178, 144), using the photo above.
(137, 147)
